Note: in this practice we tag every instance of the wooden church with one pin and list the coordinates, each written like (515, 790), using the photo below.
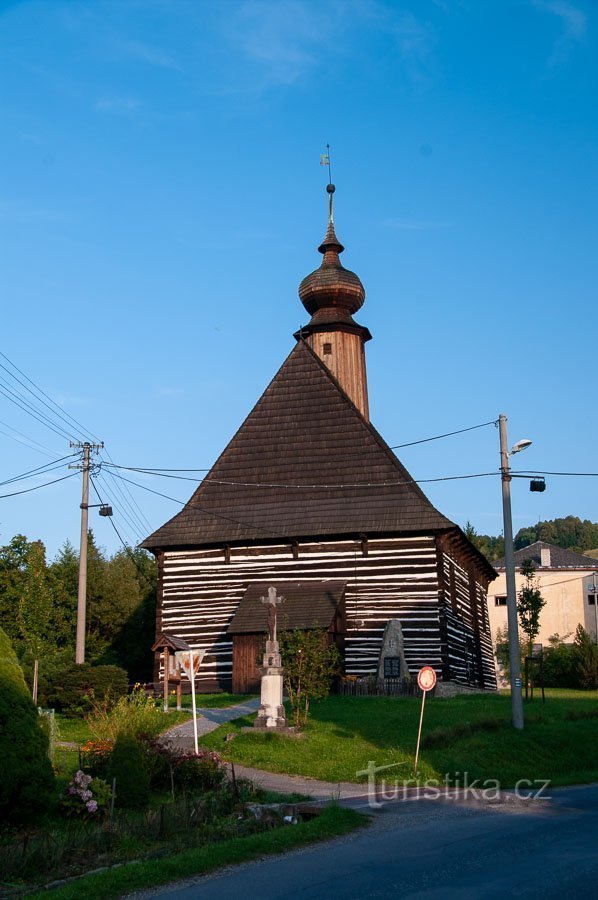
(308, 498)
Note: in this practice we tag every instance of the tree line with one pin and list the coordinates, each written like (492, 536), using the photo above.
(570, 532)
(38, 604)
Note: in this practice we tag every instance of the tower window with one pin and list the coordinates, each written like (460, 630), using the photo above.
(327, 349)
(500, 601)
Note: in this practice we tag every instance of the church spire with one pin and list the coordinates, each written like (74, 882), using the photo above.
(331, 295)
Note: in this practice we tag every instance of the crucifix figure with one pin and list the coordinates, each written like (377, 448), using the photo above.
(272, 600)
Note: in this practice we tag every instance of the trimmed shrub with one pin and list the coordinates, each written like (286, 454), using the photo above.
(127, 765)
(68, 688)
(185, 770)
(27, 779)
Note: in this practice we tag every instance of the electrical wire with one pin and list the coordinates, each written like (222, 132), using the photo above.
(47, 467)
(43, 449)
(139, 515)
(437, 437)
(529, 474)
(121, 539)
(41, 418)
(41, 391)
(191, 505)
(131, 525)
(38, 486)
(150, 470)
(93, 482)
(38, 399)
(311, 487)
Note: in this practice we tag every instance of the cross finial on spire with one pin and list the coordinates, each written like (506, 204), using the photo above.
(325, 161)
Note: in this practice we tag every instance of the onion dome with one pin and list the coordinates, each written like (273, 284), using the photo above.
(331, 287)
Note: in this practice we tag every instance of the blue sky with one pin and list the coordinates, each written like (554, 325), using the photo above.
(161, 198)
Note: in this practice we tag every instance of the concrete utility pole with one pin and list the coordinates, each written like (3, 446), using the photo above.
(514, 651)
(82, 591)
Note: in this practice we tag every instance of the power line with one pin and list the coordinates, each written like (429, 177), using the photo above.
(31, 411)
(140, 515)
(38, 486)
(437, 437)
(38, 399)
(41, 391)
(309, 487)
(123, 542)
(150, 470)
(530, 473)
(47, 467)
(30, 446)
(193, 505)
(131, 525)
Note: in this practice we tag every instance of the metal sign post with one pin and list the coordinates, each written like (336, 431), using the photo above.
(426, 680)
(593, 589)
(190, 661)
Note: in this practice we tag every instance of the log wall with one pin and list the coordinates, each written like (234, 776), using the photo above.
(386, 578)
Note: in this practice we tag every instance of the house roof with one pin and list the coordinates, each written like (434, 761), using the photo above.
(304, 463)
(306, 604)
(559, 557)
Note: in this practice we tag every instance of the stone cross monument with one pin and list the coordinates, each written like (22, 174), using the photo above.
(271, 712)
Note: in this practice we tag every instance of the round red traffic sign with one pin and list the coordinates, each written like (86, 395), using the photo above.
(426, 678)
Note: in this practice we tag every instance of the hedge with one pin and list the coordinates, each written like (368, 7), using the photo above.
(27, 779)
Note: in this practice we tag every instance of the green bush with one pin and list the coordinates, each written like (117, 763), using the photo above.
(127, 765)
(135, 715)
(67, 687)
(27, 779)
(186, 770)
(558, 665)
(586, 659)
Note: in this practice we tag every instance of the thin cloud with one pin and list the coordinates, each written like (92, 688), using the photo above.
(574, 22)
(291, 39)
(147, 53)
(283, 38)
(118, 105)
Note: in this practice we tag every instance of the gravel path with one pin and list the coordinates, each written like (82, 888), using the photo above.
(181, 736)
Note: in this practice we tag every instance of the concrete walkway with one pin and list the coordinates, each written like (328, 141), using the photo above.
(181, 736)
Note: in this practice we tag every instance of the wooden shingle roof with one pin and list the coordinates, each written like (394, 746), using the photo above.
(304, 463)
(306, 604)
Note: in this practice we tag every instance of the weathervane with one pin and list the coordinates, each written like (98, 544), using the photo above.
(325, 161)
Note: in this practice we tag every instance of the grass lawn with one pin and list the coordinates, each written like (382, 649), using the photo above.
(196, 861)
(469, 734)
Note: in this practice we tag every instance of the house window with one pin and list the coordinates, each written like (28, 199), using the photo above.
(500, 601)
(591, 599)
(392, 667)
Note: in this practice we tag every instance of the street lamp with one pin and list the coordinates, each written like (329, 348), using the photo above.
(514, 652)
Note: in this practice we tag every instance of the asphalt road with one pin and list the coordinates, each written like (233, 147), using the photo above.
(434, 849)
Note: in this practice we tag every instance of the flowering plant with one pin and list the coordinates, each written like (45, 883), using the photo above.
(95, 757)
(170, 766)
(86, 797)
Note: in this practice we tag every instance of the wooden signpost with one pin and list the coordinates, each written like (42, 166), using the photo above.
(426, 680)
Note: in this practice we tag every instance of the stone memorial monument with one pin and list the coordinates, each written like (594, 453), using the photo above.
(271, 711)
